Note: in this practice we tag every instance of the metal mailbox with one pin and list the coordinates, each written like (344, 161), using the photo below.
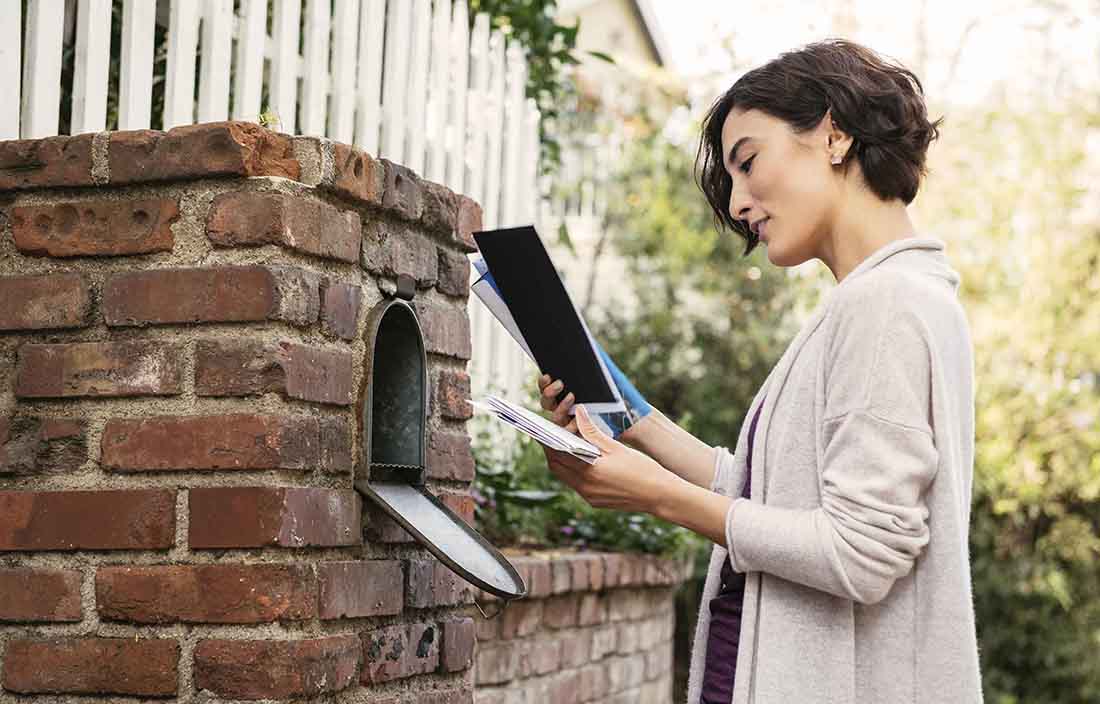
(393, 417)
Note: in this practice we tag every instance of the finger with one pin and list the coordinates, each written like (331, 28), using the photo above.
(590, 432)
(549, 398)
(544, 381)
(572, 427)
(561, 413)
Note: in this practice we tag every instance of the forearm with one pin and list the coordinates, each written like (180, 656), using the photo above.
(674, 448)
(696, 508)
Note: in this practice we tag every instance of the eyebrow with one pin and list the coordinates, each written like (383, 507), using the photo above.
(736, 146)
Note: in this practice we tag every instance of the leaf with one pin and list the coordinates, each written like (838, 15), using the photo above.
(529, 496)
(602, 56)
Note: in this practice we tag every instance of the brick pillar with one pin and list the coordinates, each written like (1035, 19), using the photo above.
(181, 360)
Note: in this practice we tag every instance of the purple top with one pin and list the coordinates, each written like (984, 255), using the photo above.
(725, 616)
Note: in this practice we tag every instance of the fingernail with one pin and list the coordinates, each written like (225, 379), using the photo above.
(568, 397)
(557, 386)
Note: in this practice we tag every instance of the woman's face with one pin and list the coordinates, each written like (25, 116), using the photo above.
(783, 183)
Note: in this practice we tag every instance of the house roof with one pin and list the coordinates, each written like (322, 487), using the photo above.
(647, 20)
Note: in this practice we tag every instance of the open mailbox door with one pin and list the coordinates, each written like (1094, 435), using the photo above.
(393, 417)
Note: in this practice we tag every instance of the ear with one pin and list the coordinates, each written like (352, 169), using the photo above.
(837, 141)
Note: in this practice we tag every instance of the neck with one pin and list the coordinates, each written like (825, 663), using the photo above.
(865, 225)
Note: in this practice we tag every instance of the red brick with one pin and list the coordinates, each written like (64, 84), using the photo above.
(200, 151)
(51, 162)
(33, 594)
(391, 249)
(440, 208)
(450, 456)
(593, 685)
(452, 395)
(538, 656)
(360, 589)
(399, 651)
(206, 593)
(467, 222)
(340, 305)
(357, 175)
(596, 572)
(252, 218)
(540, 584)
(218, 442)
(593, 610)
(402, 192)
(130, 666)
(256, 517)
(497, 665)
(612, 569)
(95, 228)
(564, 688)
(580, 566)
(454, 274)
(136, 368)
(560, 611)
(336, 445)
(276, 669)
(561, 576)
(87, 520)
(219, 294)
(32, 445)
(459, 637)
(248, 368)
(446, 329)
(44, 302)
(431, 583)
(521, 618)
(576, 648)
(461, 503)
(380, 528)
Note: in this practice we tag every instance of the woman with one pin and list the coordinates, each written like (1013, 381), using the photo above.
(840, 571)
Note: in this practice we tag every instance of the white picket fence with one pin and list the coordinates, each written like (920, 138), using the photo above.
(405, 79)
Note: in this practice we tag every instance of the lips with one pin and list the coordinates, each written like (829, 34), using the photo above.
(759, 227)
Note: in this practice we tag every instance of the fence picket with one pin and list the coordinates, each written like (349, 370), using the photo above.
(418, 86)
(42, 70)
(217, 45)
(514, 104)
(495, 121)
(284, 63)
(11, 65)
(135, 76)
(249, 72)
(458, 86)
(439, 93)
(368, 100)
(179, 83)
(477, 103)
(315, 78)
(395, 78)
(93, 58)
(345, 27)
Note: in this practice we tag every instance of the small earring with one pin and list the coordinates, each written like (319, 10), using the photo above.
(836, 159)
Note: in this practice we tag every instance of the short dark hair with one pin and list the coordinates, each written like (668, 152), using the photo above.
(878, 102)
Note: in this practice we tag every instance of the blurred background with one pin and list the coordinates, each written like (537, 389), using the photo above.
(1013, 191)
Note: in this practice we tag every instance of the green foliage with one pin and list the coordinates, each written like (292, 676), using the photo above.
(1008, 194)
(520, 503)
(551, 50)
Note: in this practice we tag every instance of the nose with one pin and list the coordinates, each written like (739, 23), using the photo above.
(740, 201)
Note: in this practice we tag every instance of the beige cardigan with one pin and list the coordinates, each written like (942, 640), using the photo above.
(855, 535)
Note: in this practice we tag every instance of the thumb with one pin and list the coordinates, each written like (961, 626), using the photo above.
(591, 433)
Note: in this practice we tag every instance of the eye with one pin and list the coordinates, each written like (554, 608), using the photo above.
(746, 165)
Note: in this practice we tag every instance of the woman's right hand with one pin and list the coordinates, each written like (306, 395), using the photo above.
(548, 399)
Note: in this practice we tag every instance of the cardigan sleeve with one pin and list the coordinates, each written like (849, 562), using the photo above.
(879, 458)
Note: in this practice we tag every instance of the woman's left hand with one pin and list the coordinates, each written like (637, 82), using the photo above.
(621, 478)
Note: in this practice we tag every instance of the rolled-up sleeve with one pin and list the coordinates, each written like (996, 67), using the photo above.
(871, 526)
(878, 459)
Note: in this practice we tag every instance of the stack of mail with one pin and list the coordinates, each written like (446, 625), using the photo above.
(542, 430)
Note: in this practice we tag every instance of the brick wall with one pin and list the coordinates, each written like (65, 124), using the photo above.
(593, 628)
(181, 345)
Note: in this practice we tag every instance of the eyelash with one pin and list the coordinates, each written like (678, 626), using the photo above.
(745, 164)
